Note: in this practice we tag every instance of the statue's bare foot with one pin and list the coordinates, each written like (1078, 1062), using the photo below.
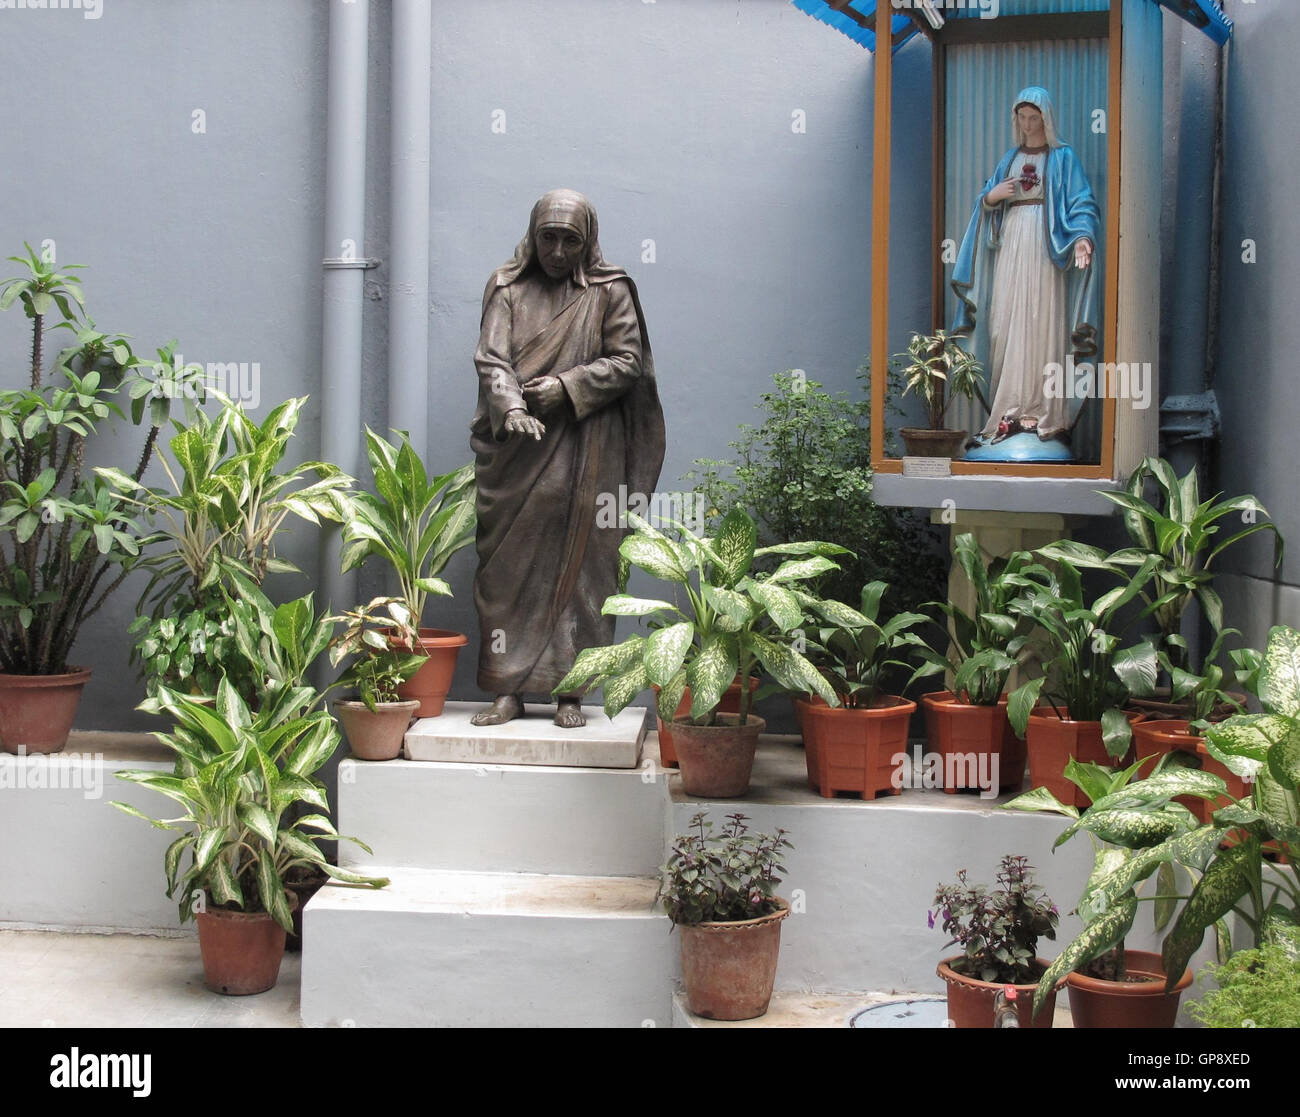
(568, 714)
(506, 708)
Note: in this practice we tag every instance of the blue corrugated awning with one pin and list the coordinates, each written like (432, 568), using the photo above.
(857, 18)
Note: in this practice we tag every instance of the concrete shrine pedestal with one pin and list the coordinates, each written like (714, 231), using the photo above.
(532, 739)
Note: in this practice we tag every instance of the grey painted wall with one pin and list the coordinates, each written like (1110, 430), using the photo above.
(675, 117)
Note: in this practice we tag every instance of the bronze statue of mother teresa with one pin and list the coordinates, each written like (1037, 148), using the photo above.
(567, 414)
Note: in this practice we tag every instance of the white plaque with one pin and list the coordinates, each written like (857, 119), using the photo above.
(927, 467)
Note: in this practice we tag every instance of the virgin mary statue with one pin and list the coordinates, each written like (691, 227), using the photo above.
(568, 417)
(1018, 297)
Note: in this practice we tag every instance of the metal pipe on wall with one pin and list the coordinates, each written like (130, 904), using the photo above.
(408, 289)
(344, 263)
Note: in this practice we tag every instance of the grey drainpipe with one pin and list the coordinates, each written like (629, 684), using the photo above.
(345, 263)
(408, 292)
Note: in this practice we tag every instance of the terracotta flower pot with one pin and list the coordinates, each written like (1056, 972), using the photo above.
(1140, 1002)
(970, 1001)
(717, 760)
(241, 950)
(854, 750)
(730, 704)
(972, 733)
(378, 734)
(1053, 740)
(37, 711)
(925, 443)
(430, 684)
(729, 968)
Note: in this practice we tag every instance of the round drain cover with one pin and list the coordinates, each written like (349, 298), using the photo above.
(928, 1013)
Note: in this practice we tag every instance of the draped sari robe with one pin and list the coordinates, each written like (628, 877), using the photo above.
(545, 565)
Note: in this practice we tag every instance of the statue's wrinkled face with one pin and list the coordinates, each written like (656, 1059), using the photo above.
(1031, 124)
(559, 248)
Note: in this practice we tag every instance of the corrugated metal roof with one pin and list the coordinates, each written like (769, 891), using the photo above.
(857, 18)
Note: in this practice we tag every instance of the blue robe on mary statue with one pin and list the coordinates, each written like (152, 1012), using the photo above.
(1020, 300)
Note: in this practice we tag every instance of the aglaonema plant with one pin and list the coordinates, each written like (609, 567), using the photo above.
(731, 621)
(412, 521)
(240, 777)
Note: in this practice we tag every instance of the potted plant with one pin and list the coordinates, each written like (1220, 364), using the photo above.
(1088, 677)
(970, 721)
(1254, 989)
(732, 621)
(66, 539)
(998, 932)
(376, 721)
(852, 745)
(1138, 830)
(415, 523)
(215, 531)
(720, 893)
(1182, 534)
(238, 774)
(1203, 699)
(939, 370)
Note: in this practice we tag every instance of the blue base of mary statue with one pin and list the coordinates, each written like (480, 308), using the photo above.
(1023, 447)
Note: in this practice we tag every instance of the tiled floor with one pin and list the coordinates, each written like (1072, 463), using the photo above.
(54, 980)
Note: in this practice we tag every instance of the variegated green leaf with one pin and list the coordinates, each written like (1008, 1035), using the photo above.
(1279, 677)
(600, 663)
(1166, 900)
(1040, 799)
(792, 670)
(1222, 884)
(258, 819)
(349, 877)
(670, 696)
(1284, 759)
(222, 884)
(270, 889)
(666, 649)
(800, 570)
(1099, 936)
(654, 556)
(621, 605)
(780, 604)
(711, 672)
(1242, 743)
(621, 689)
(734, 546)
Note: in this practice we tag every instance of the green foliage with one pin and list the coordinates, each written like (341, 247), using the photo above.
(805, 473)
(938, 370)
(378, 667)
(723, 879)
(985, 648)
(998, 931)
(412, 521)
(1256, 989)
(856, 652)
(215, 530)
(67, 539)
(1182, 531)
(238, 778)
(733, 619)
(1085, 668)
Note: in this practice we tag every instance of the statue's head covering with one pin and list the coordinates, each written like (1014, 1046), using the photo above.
(574, 211)
(1041, 100)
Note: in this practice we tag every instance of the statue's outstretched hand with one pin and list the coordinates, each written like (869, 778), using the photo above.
(544, 395)
(519, 421)
(1082, 252)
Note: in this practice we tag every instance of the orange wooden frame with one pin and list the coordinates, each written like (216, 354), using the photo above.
(882, 160)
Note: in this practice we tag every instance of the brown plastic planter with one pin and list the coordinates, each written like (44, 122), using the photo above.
(717, 760)
(854, 750)
(37, 711)
(1140, 1002)
(970, 1001)
(965, 730)
(1052, 741)
(241, 950)
(377, 734)
(1157, 738)
(730, 704)
(729, 968)
(430, 684)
